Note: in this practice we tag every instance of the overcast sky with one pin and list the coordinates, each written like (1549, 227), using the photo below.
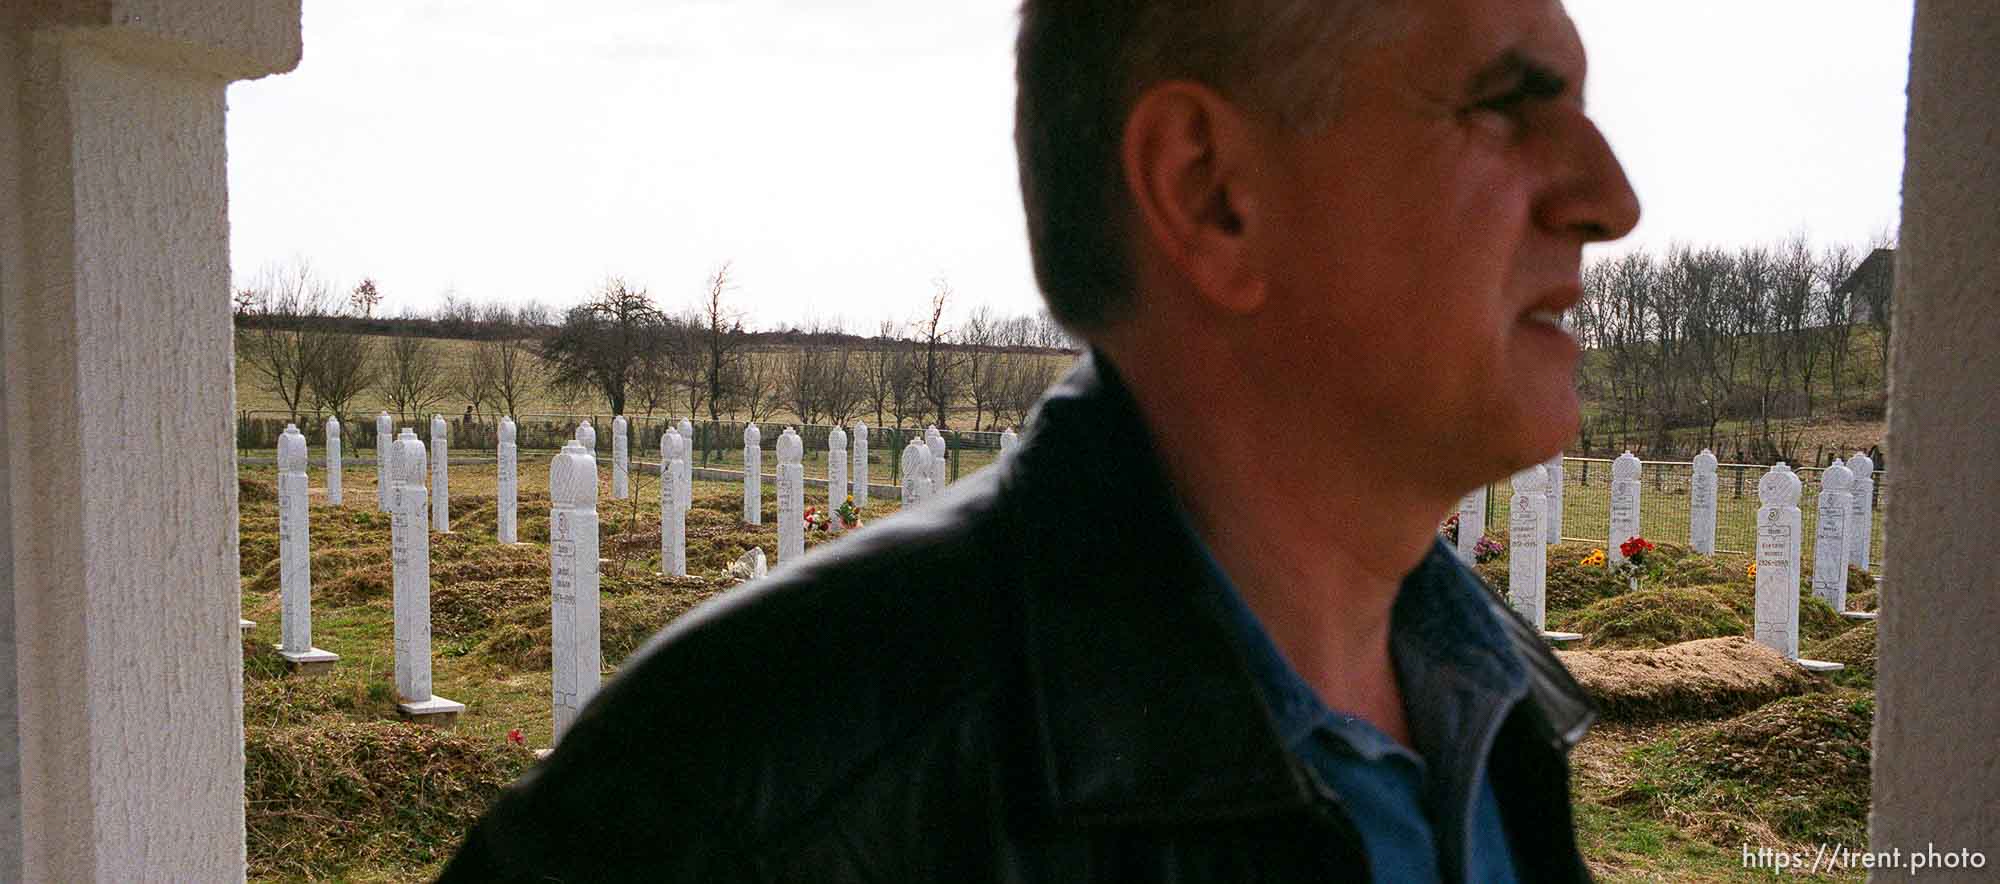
(845, 153)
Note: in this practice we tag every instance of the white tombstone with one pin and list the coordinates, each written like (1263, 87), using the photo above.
(621, 463)
(1701, 503)
(587, 434)
(687, 475)
(333, 495)
(1861, 529)
(411, 555)
(573, 582)
(385, 446)
(1779, 525)
(295, 557)
(916, 471)
(508, 491)
(673, 505)
(836, 476)
(937, 462)
(1829, 580)
(791, 497)
(1471, 522)
(753, 475)
(1527, 550)
(1624, 505)
(1008, 440)
(860, 472)
(440, 476)
(1554, 521)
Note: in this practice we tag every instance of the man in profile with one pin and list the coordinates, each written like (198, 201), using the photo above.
(1198, 625)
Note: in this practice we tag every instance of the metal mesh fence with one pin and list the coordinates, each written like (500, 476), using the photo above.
(1663, 505)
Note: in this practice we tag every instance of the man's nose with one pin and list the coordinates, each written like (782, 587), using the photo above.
(1589, 196)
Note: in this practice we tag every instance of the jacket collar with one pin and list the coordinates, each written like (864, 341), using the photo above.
(1146, 711)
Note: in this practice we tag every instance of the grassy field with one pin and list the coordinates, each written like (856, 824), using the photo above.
(338, 789)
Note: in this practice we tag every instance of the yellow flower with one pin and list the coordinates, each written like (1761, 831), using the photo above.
(1751, 572)
(1595, 558)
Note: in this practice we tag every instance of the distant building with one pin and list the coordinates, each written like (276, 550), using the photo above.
(1870, 286)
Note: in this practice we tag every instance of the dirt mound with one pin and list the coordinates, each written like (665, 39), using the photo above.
(1796, 769)
(255, 490)
(1708, 678)
(335, 794)
(1652, 618)
(1855, 648)
(1866, 600)
(465, 610)
(293, 700)
(1699, 571)
(521, 636)
(327, 565)
(1571, 585)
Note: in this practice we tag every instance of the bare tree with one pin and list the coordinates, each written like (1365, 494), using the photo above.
(756, 386)
(345, 367)
(288, 333)
(1835, 312)
(939, 365)
(604, 344)
(802, 379)
(509, 367)
(414, 378)
(979, 338)
(722, 340)
(365, 297)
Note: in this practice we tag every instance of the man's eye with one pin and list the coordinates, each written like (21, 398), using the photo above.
(1506, 103)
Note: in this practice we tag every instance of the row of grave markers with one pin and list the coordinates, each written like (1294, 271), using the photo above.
(1842, 538)
(415, 512)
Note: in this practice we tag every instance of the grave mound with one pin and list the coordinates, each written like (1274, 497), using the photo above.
(334, 794)
(1708, 678)
(1855, 648)
(1656, 617)
(521, 636)
(255, 489)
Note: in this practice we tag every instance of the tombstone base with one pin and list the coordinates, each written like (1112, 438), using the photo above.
(245, 624)
(1559, 637)
(309, 662)
(1819, 665)
(436, 711)
(1858, 615)
(542, 753)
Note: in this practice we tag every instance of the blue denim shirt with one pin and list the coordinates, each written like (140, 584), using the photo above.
(1429, 815)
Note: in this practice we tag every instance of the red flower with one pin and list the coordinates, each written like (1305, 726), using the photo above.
(514, 736)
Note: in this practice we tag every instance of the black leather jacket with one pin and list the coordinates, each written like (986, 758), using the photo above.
(1012, 682)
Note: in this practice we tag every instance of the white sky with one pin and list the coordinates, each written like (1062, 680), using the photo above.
(844, 153)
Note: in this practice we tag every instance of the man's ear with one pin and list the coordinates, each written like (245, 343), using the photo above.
(1187, 155)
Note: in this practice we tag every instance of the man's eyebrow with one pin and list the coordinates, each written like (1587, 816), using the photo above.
(1515, 69)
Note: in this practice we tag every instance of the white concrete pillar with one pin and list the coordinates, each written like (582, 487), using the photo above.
(1554, 521)
(508, 488)
(440, 475)
(1624, 506)
(411, 563)
(587, 434)
(860, 472)
(295, 555)
(687, 438)
(1861, 505)
(939, 461)
(1701, 504)
(687, 475)
(333, 496)
(1829, 580)
(753, 475)
(385, 444)
(121, 741)
(673, 505)
(1471, 522)
(1777, 623)
(837, 492)
(1527, 559)
(916, 472)
(791, 497)
(573, 581)
(621, 463)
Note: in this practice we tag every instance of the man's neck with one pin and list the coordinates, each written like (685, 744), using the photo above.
(1316, 558)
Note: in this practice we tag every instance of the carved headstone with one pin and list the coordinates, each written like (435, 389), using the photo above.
(753, 475)
(411, 555)
(621, 463)
(791, 497)
(938, 461)
(587, 434)
(1471, 522)
(440, 476)
(860, 463)
(1861, 528)
(509, 488)
(1624, 505)
(916, 471)
(673, 507)
(1701, 503)
(333, 494)
(573, 582)
(1829, 580)
(687, 475)
(1008, 440)
(836, 475)
(1777, 621)
(385, 446)
(1527, 563)
(295, 557)
(1553, 533)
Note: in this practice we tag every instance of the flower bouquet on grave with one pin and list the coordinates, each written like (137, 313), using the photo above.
(1751, 572)
(848, 514)
(815, 519)
(1594, 560)
(1449, 530)
(1639, 561)
(1487, 549)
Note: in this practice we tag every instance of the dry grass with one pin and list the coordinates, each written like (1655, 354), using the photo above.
(1699, 679)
